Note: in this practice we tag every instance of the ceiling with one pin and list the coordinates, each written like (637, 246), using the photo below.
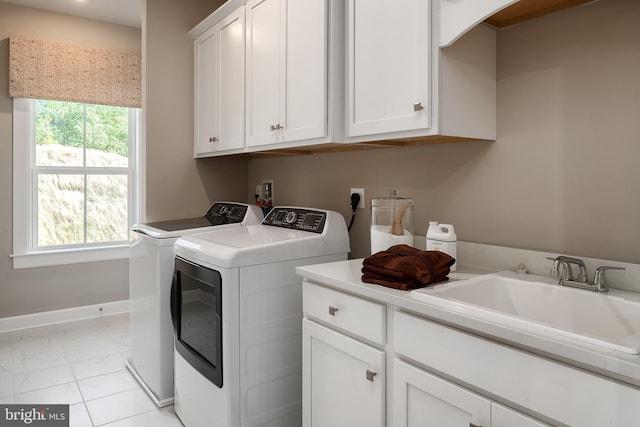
(123, 12)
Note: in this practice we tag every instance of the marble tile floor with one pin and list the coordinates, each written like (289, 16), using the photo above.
(80, 363)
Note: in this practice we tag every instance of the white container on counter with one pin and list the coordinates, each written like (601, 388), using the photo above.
(442, 237)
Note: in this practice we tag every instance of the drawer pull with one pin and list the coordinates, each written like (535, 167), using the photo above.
(371, 374)
(474, 425)
(332, 310)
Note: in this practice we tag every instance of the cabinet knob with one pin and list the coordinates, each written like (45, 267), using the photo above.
(418, 106)
(213, 139)
(371, 374)
(276, 127)
(332, 310)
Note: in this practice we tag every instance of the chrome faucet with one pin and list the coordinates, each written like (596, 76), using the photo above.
(561, 268)
(566, 273)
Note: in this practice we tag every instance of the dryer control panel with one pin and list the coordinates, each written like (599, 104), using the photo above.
(297, 219)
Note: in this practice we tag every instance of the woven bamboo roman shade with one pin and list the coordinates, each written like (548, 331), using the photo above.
(56, 71)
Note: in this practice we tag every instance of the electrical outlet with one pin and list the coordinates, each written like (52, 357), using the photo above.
(267, 191)
(360, 191)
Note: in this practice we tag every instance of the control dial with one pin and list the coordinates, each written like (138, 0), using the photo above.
(291, 217)
(224, 210)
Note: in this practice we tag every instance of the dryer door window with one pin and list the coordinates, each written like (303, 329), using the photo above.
(196, 309)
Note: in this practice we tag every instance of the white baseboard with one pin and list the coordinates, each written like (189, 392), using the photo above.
(47, 318)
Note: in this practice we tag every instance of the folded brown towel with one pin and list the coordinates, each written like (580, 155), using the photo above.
(406, 268)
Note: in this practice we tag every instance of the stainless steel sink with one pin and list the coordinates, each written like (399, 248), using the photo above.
(538, 304)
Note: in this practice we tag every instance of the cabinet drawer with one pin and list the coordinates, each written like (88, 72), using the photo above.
(360, 317)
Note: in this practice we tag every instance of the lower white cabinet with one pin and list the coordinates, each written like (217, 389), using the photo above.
(423, 399)
(343, 380)
(502, 416)
(372, 357)
(545, 388)
(356, 375)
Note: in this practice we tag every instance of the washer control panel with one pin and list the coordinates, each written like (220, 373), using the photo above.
(297, 219)
(226, 213)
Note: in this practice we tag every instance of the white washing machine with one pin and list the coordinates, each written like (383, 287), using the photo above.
(236, 305)
(150, 272)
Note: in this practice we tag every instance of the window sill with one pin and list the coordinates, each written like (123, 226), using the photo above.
(69, 256)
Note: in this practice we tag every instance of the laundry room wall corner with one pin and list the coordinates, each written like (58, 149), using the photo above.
(177, 186)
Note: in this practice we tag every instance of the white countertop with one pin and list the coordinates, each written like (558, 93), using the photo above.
(345, 276)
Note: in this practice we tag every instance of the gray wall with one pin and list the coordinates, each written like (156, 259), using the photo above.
(176, 184)
(49, 288)
(562, 176)
(564, 173)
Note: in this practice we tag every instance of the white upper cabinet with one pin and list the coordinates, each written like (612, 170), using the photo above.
(286, 84)
(401, 85)
(206, 96)
(388, 62)
(287, 74)
(219, 87)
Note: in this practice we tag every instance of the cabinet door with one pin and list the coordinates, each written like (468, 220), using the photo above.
(388, 78)
(501, 416)
(206, 92)
(287, 70)
(422, 399)
(343, 380)
(305, 97)
(265, 38)
(219, 90)
(231, 82)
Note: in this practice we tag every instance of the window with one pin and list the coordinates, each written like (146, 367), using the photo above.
(75, 181)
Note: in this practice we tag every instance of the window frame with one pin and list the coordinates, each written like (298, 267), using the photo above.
(25, 253)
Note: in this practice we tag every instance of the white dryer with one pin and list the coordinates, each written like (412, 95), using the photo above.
(237, 314)
(150, 273)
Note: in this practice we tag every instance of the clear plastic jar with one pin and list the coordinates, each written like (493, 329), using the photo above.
(391, 221)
